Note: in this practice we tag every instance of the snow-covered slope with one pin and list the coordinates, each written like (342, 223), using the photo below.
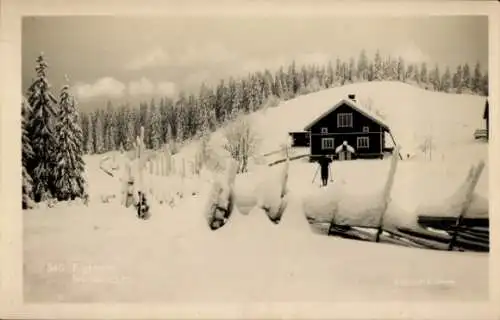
(411, 113)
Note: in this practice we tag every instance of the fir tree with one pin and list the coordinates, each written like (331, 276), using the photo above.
(41, 133)
(416, 74)
(466, 77)
(476, 81)
(352, 72)
(155, 131)
(363, 66)
(130, 132)
(446, 81)
(330, 76)
(423, 74)
(435, 78)
(27, 156)
(401, 75)
(98, 133)
(458, 80)
(69, 171)
(110, 128)
(89, 144)
(378, 67)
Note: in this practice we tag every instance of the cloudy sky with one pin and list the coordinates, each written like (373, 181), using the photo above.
(136, 58)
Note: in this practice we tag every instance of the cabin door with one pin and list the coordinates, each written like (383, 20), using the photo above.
(344, 155)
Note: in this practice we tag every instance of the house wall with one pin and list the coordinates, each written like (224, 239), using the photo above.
(349, 134)
(359, 121)
(300, 139)
(374, 147)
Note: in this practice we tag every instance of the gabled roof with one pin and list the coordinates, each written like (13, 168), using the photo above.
(353, 105)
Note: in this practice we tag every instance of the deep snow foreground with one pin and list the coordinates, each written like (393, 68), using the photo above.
(103, 253)
(107, 255)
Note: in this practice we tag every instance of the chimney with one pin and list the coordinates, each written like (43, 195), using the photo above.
(352, 96)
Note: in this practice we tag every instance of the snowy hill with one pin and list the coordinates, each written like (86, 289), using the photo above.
(103, 253)
(412, 113)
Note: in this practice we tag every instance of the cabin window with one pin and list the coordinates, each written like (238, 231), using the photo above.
(324, 130)
(344, 120)
(327, 143)
(363, 142)
(366, 129)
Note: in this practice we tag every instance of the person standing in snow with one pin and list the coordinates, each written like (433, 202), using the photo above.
(324, 163)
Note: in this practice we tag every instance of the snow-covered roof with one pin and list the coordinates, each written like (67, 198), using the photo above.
(355, 106)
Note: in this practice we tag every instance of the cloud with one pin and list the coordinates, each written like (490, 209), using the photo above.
(109, 87)
(154, 58)
(316, 58)
(103, 87)
(140, 87)
(276, 62)
(411, 53)
(208, 53)
(166, 88)
(191, 55)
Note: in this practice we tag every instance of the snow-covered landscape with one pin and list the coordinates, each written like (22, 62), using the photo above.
(255, 160)
(101, 252)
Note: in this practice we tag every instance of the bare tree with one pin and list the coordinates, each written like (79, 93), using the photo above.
(427, 146)
(241, 141)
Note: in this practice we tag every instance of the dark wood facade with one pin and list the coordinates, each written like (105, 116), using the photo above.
(300, 139)
(345, 121)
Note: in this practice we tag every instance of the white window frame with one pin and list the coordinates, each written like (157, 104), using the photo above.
(324, 130)
(324, 145)
(366, 129)
(363, 142)
(344, 120)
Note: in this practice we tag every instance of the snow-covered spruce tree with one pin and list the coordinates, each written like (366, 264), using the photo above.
(363, 66)
(89, 144)
(41, 133)
(27, 156)
(466, 78)
(423, 74)
(401, 69)
(69, 170)
(458, 80)
(485, 84)
(129, 132)
(110, 128)
(446, 81)
(378, 67)
(433, 78)
(98, 132)
(476, 81)
(155, 131)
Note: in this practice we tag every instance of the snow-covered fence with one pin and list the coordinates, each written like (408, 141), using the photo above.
(349, 216)
(154, 174)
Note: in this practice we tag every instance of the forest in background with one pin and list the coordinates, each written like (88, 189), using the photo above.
(190, 115)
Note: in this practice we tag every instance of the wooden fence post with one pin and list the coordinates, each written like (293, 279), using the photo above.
(471, 183)
(386, 193)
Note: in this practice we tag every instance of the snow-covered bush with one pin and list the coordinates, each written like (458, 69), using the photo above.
(241, 141)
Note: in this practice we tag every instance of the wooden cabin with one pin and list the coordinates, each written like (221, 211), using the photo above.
(345, 123)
